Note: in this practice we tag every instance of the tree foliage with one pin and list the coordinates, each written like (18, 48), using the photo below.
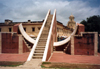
(92, 24)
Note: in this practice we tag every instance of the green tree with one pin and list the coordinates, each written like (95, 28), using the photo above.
(92, 24)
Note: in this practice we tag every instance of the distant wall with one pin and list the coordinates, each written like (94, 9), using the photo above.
(6, 28)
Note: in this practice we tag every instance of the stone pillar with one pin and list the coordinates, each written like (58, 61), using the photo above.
(72, 45)
(20, 45)
(95, 43)
(0, 43)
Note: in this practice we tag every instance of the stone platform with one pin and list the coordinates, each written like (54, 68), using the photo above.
(61, 57)
(14, 57)
(56, 57)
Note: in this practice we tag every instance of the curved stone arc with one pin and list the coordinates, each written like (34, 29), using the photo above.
(25, 35)
(66, 40)
(28, 38)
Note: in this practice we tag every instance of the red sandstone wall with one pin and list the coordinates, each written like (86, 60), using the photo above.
(99, 43)
(15, 28)
(84, 45)
(9, 43)
(81, 28)
(61, 48)
(25, 49)
(52, 39)
(49, 51)
(68, 51)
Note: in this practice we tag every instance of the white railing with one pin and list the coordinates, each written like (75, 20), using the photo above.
(67, 39)
(25, 35)
(48, 40)
(33, 48)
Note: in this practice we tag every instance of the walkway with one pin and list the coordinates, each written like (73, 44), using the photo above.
(66, 58)
(14, 57)
(33, 64)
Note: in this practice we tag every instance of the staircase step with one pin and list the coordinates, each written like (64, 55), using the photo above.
(48, 22)
(45, 33)
(40, 47)
(40, 44)
(45, 28)
(38, 54)
(42, 40)
(48, 26)
(39, 51)
(37, 57)
(44, 36)
(50, 17)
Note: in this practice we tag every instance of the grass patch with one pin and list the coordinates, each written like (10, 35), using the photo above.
(10, 64)
(69, 66)
(61, 68)
(43, 66)
(46, 62)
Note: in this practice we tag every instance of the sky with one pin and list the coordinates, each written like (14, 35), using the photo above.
(36, 10)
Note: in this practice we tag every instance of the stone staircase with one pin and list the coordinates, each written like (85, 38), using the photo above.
(67, 46)
(28, 46)
(39, 50)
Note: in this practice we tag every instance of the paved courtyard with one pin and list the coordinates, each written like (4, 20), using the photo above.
(33, 64)
(56, 57)
(14, 57)
(66, 58)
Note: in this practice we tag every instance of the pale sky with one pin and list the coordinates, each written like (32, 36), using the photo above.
(36, 10)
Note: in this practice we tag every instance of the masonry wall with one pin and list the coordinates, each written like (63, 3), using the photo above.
(25, 49)
(84, 44)
(10, 43)
(62, 47)
(81, 28)
(15, 28)
(99, 43)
